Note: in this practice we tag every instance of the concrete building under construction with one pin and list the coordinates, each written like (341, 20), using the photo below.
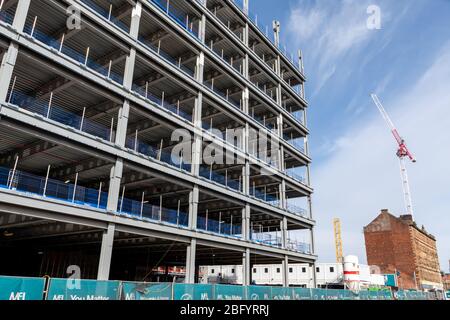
(398, 246)
(91, 92)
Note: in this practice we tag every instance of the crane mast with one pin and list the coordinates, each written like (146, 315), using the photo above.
(338, 241)
(402, 153)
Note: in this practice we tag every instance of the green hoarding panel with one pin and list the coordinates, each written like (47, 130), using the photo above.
(319, 294)
(301, 294)
(259, 293)
(279, 293)
(193, 292)
(228, 292)
(73, 289)
(18, 288)
(146, 291)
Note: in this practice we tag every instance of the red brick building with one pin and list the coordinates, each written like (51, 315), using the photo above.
(398, 244)
(446, 281)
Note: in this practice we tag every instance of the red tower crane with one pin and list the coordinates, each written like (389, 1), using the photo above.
(402, 154)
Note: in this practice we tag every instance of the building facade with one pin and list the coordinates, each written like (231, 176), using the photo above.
(96, 175)
(446, 281)
(399, 246)
(328, 275)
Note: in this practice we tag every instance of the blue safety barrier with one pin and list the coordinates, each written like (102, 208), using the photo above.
(168, 106)
(36, 185)
(144, 211)
(207, 173)
(59, 114)
(6, 17)
(78, 57)
(224, 229)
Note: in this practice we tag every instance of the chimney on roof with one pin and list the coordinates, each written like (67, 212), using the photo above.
(407, 218)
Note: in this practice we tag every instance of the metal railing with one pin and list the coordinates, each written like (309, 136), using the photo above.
(175, 109)
(265, 30)
(6, 17)
(296, 210)
(136, 145)
(50, 188)
(49, 110)
(219, 227)
(208, 173)
(80, 58)
(152, 213)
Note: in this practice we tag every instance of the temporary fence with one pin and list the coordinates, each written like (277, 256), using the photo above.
(20, 288)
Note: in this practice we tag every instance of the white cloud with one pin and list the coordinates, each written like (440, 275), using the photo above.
(362, 175)
(331, 31)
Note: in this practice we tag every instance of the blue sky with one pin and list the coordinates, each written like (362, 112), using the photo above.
(407, 63)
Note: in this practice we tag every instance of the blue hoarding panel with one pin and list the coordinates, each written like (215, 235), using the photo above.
(18, 288)
(146, 291)
(193, 292)
(73, 289)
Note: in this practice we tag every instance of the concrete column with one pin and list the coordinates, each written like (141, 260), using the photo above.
(245, 100)
(278, 66)
(246, 232)
(129, 69)
(280, 95)
(135, 20)
(245, 34)
(191, 251)
(130, 62)
(200, 65)
(193, 207)
(307, 146)
(246, 178)
(314, 275)
(114, 185)
(313, 250)
(282, 164)
(10, 56)
(104, 264)
(246, 268)
(122, 123)
(285, 271)
(198, 107)
(305, 119)
(283, 194)
(308, 175)
(21, 14)
(284, 232)
(134, 33)
(246, 67)
(197, 145)
(310, 207)
(280, 123)
(202, 28)
(7, 69)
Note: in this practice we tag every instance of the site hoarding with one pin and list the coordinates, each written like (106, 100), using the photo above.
(74, 289)
(18, 288)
